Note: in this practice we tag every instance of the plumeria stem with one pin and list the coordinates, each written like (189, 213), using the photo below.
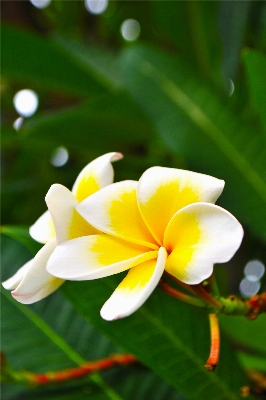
(184, 285)
(257, 305)
(46, 378)
(231, 305)
(181, 296)
(213, 359)
(213, 285)
(204, 295)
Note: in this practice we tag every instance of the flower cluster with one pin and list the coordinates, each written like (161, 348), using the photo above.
(166, 221)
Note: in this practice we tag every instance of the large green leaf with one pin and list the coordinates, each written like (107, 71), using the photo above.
(250, 334)
(40, 347)
(53, 336)
(249, 338)
(192, 27)
(233, 20)
(27, 57)
(21, 234)
(192, 121)
(250, 361)
(102, 62)
(168, 336)
(106, 121)
(255, 64)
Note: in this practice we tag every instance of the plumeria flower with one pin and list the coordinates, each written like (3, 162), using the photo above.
(61, 222)
(166, 221)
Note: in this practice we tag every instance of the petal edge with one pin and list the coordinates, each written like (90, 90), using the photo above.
(135, 288)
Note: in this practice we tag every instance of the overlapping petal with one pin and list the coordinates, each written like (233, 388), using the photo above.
(96, 256)
(163, 191)
(136, 287)
(33, 282)
(114, 210)
(95, 175)
(68, 223)
(43, 229)
(198, 236)
(15, 280)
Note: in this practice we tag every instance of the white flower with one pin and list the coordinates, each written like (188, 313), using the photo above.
(62, 222)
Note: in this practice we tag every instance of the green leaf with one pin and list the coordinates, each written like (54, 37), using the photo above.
(102, 62)
(255, 64)
(30, 58)
(80, 391)
(193, 122)
(233, 21)
(250, 361)
(249, 337)
(21, 234)
(39, 347)
(112, 119)
(47, 344)
(53, 336)
(192, 27)
(247, 333)
(168, 336)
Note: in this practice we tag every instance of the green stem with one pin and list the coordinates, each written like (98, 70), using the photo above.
(213, 285)
(204, 295)
(217, 304)
(233, 305)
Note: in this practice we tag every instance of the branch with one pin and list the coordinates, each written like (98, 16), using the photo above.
(50, 377)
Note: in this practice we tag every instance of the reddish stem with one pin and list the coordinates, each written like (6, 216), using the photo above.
(204, 295)
(184, 285)
(179, 295)
(73, 373)
(257, 304)
(213, 359)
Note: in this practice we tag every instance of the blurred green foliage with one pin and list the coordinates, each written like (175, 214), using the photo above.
(188, 93)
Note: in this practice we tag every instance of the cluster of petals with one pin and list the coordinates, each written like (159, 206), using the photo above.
(60, 223)
(166, 221)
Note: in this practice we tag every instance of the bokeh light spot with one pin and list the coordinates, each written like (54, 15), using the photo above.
(248, 288)
(59, 157)
(231, 87)
(96, 6)
(40, 3)
(254, 270)
(130, 29)
(18, 123)
(26, 102)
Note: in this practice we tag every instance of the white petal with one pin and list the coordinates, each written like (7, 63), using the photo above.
(163, 191)
(15, 280)
(135, 289)
(68, 223)
(114, 210)
(96, 256)
(197, 237)
(95, 175)
(37, 283)
(43, 229)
